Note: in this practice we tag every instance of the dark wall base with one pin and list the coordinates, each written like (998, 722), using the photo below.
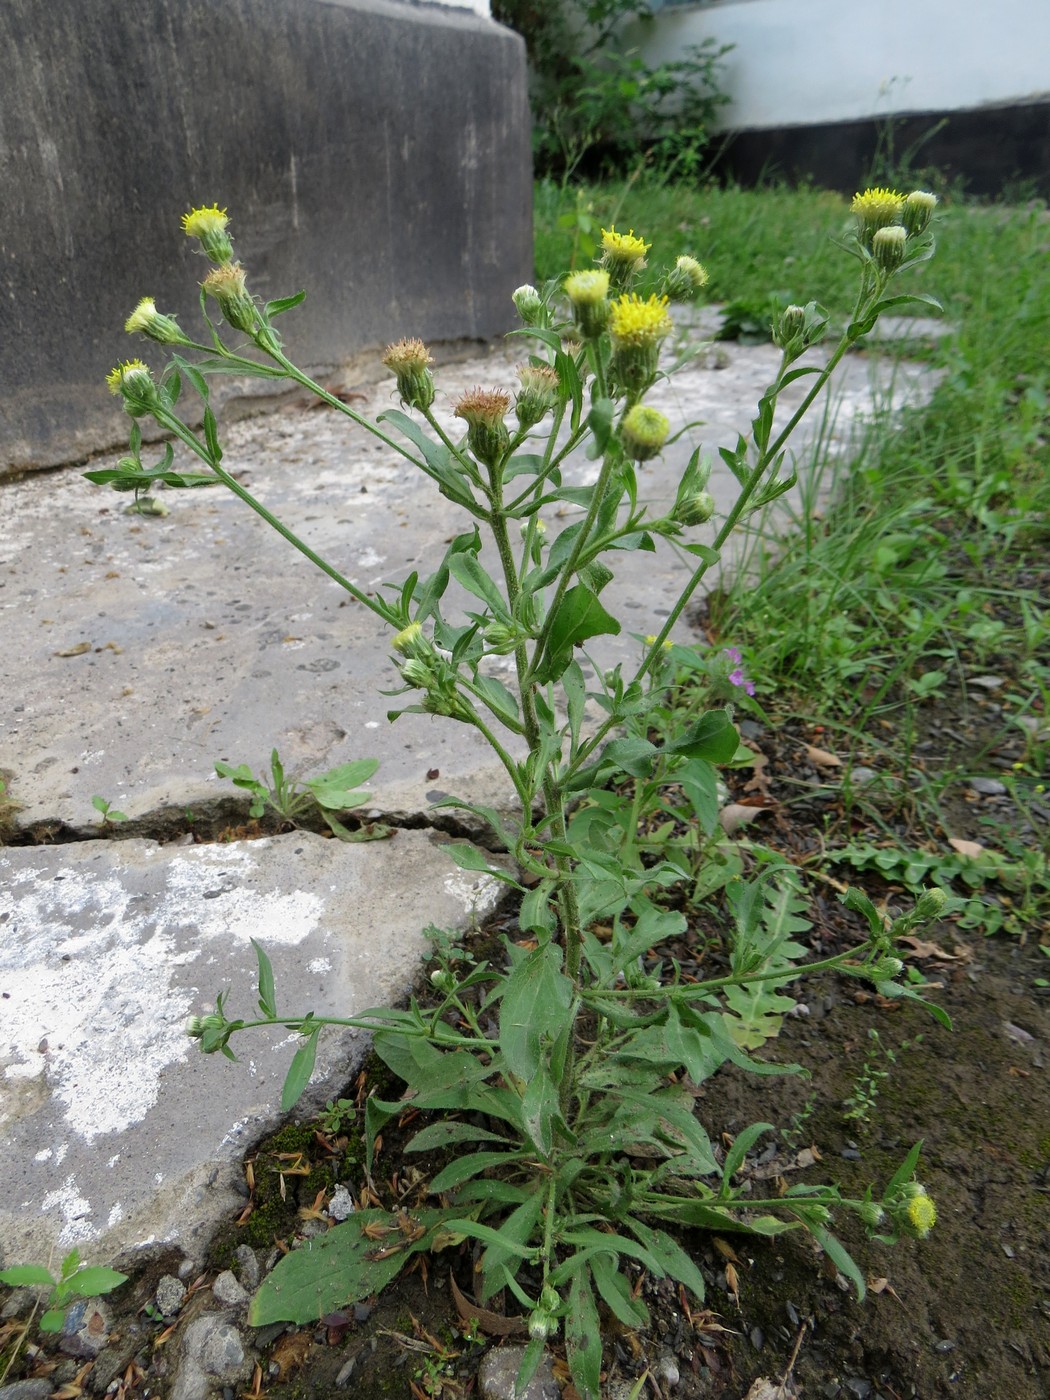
(374, 152)
(986, 152)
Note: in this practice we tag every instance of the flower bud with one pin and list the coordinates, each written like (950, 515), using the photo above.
(930, 904)
(644, 431)
(623, 255)
(487, 434)
(789, 331)
(134, 383)
(209, 225)
(148, 320)
(685, 280)
(500, 638)
(442, 979)
(411, 642)
(871, 1213)
(550, 1299)
(537, 395)
(226, 284)
(409, 360)
(918, 211)
(588, 293)
(416, 673)
(887, 246)
(885, 969)
(695, 510)
(528, 304)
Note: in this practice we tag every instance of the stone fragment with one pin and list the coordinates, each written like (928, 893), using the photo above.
(170, 1295)
(341, 1205)
(26, 1390)
(228, 1291)
(247, 1266)
(499, 1370)
(211, 1350)
(86, 1328)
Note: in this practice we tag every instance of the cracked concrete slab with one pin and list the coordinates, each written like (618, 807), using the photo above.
(117, 1130)
(144, 649)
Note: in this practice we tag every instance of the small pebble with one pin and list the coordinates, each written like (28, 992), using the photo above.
(988, 787)
(341, 1206)
(247, 1266)
(943, 1346)
(170, 1295)
(858, 1387)
(667, 1371)
(346, 1372)
(228, 1291)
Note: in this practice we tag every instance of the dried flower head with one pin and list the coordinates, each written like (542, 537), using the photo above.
(537, 395)
(410, 361)
(209, 225)
(226, 283)
(483, 411)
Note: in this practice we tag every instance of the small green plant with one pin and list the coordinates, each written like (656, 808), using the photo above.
(862, 1101)
(558, 1068)
(108, 811)
(290, 799)
(337, 1115)
(8, 808)
(75, 1281)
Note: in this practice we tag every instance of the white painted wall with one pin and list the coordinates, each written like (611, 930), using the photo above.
(803, 62)
(480, 7)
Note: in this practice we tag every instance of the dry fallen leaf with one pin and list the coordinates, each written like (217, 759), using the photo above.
(493, 1324)
(759, 781)
(971, 849)
(289, 1353)
(763, 1389)
(78, 650)
(735, 815)
(822, 757)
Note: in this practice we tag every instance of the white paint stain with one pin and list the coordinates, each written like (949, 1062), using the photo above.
(74, 1209)
(89, 967)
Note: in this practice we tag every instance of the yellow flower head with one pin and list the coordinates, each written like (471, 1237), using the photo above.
(209, 225)
(147, 320)
(208, 219)
(876, 208)
(623, 254)
(650, 640)
(130, 370)
(587, 288)
(633, 321)
(922, 1215)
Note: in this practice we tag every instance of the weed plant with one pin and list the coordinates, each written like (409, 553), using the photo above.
(557, 1072)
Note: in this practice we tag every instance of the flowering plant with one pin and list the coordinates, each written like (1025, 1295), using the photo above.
(567, 1062)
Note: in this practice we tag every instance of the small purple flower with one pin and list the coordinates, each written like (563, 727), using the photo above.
(737, 677)
(732, 654)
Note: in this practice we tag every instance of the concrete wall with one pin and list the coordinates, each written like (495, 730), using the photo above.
(374, 152)
(804, 62)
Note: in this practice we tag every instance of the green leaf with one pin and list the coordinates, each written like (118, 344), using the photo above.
(53, 1320)
(340, 1267)
(616, 1291)
(515, 1232)
(267, 993)
(488, 1236)
(840, 1257)
(671, 1256)
(467, 571)
(443, 1134)
(536, 1003)
(540, 1110)
(713, 738)
(583, 1338)
(469, 857)
(634, 756)
(580, 615)
(299, 1071)
(281, 304)
(27, 1276)
(600, 422)
(904, 1172)
(471, 1164)
(95, 1280)
(336, 788)
(741, 1145)
(211, 435)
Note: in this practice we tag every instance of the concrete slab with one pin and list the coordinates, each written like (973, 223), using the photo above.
(143, 650)
(116, 1130)
(148, 648)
